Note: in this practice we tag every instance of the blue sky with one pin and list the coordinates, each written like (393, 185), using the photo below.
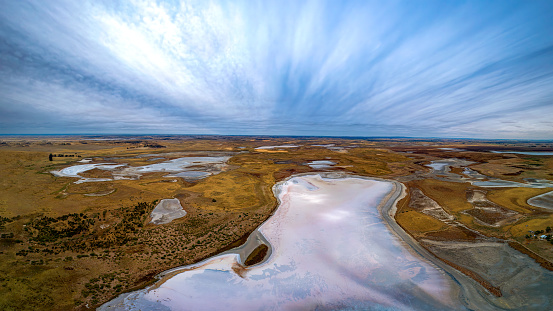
(481, 69)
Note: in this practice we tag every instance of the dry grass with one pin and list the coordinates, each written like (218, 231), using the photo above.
(417, 223)
(515, 198)
(451, 196)
(522, 228)
(452, 233)
(518, 167)
(222, 209)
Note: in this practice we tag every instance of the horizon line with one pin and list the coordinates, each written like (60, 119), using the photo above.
(289, 136)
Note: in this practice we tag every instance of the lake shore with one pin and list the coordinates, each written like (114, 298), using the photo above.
(309, 183)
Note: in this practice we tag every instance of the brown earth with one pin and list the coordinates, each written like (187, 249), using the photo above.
(114, 249)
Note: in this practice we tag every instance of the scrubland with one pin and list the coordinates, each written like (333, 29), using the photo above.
(72, 246)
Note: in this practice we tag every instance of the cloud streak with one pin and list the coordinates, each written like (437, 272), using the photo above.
(381, 68)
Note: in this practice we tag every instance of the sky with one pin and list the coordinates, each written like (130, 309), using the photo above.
(475, 69)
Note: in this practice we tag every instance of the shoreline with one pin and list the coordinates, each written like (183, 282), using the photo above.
(466, 290)
(467, 286)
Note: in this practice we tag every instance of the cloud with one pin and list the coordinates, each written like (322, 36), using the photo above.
(468, 69)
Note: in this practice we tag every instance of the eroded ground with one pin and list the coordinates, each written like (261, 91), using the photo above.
(68, 245)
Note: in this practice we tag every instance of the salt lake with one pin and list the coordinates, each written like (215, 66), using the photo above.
(331, 249)
(538, 153)
(189, 168)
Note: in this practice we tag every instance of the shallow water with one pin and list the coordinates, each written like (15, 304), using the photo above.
(74, 171)
(543, 200)
(539, 153)
(325, 146)
(441, 167)
(178, 166)
(273, 147)
(321, 164)
(438, 166)
(500, 183)
(330, 250)
(452, 149)
(473, 174)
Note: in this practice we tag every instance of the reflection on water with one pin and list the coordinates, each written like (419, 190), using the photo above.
(473, 174)
(500, 183)
(176, 165)
(438, 166)
(185, 167)
(442, 167)
(75, 170)
(539, 153)
(331, 250)
(452, 149)
(275, 147)
(321, 164)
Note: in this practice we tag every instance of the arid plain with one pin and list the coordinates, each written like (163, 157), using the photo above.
(76, 243)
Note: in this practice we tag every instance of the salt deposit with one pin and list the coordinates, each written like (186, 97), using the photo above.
(543, 200)
(185, 167)
(321, 164)
(331, 249)
(166, 211)
(274, 147)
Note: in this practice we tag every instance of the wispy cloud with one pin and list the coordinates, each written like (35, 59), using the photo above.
(472, 69)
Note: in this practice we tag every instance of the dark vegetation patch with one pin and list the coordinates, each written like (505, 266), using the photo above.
(4, 221)
(285, 173)
(453, 233)
(490, 216)
(83, 261)
(257, 255)
(96, 173)
(50, 229)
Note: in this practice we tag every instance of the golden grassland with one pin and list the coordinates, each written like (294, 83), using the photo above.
(515, 198)
(112, 248)
(118, 250)
(534, 224)
(517, 167)
(418, 223)
(450, 195)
